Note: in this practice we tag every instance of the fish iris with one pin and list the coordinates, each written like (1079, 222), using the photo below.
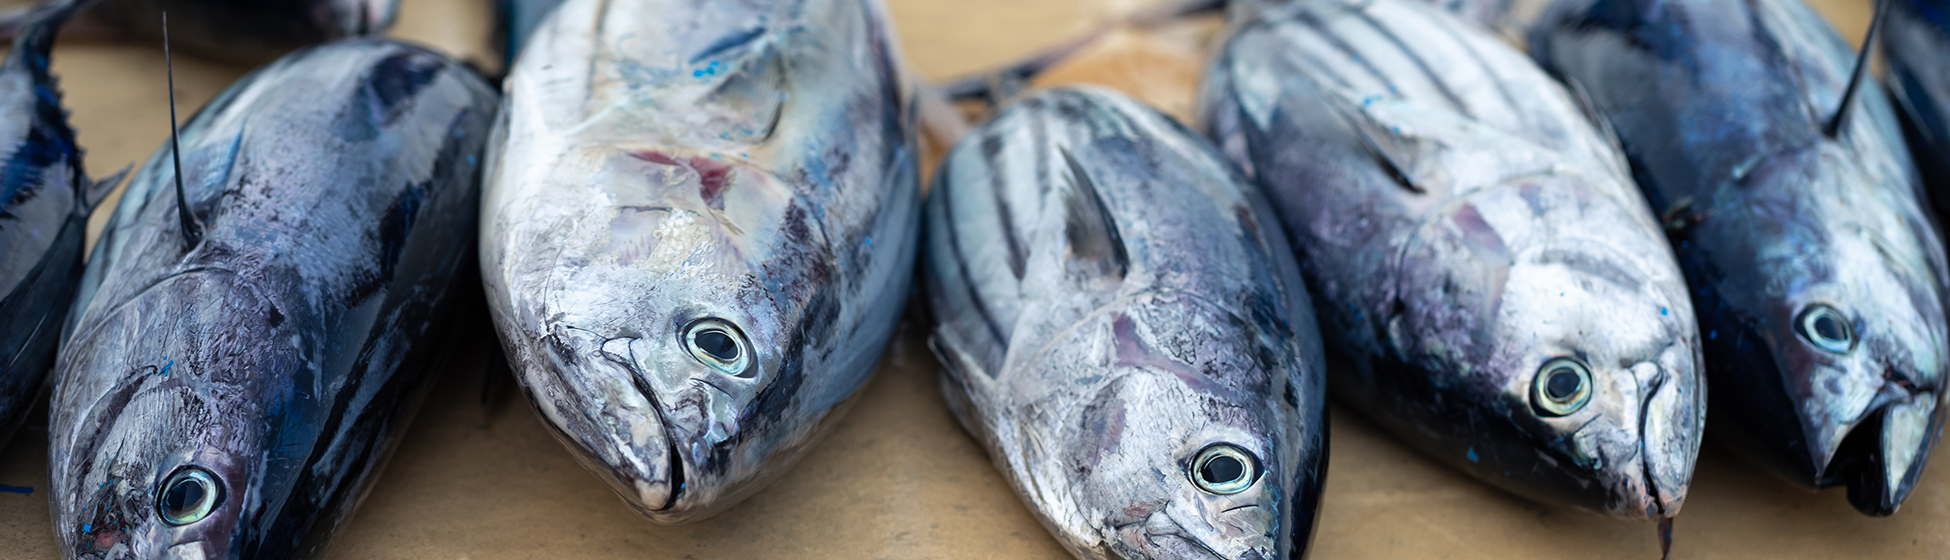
(1224, 469)
(188, 496)
(1562, 387)
(1826, 328)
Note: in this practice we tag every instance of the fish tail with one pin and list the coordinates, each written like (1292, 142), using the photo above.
(34, 29)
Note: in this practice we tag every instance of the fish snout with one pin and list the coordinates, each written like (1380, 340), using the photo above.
(355, 18)
(596, 402)
(1881, 459)
(1670, 429)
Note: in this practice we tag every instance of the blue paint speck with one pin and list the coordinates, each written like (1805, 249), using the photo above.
(869, 241)
(17, 489)
(1662, 311)
(166, 366)
(470, 159)
(1472, 455)
(1710, 335)
(708, 70)
(85, 527)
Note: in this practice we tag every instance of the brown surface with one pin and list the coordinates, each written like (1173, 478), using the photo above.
(899, 479)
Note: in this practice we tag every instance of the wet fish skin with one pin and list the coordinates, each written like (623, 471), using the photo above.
(667, 168)
(1111, 298)
(285, 352)
(45, 200)
(1772, 218)
(1463, 225)
(1914, 42)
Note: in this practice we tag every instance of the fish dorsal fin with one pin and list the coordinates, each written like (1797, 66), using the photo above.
(1833, 127)
(192, 227)
(1087, 224)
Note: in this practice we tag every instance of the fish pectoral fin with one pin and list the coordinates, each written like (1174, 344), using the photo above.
(1389, 146)
(1093, 238)
(93, 193)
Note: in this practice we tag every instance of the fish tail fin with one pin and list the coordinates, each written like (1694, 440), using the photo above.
(998, 85)
(1833, 127)
(34, 28)
(191, 227)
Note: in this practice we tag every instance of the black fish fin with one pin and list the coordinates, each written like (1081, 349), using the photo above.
(1833, 127)
(95, 191)
(192, 228)
(1087, 224)
(1385, 147)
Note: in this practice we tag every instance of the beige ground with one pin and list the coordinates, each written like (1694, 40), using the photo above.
(899, 479)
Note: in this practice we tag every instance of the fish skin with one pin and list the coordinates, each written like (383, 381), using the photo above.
(1770, 216)
(663, 162)
(1461, 223)
(245, 31)
(1914, 40)
(287, 351)
(45, 200)
(1081, 224)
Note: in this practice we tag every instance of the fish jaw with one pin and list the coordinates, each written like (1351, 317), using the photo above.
(598, 407)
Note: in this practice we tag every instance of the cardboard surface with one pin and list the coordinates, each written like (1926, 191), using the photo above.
(898, 478)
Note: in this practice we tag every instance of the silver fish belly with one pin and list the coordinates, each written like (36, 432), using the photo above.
(1126, 332)
(1818, 275)
(698, 232)
(1497, 292)
(235, 381)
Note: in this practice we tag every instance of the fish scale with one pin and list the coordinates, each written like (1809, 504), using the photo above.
(1468, 234)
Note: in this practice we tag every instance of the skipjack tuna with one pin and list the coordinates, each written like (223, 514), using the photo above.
(1501, 296)
(698, 232)
(1818, 276)
(255, 329)
(1124, 328)
(1916, 48)
(45, 200)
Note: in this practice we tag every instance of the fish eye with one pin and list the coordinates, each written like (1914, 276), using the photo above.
(188, 495)
(1561, 387)
(1223, 468)
(718, 344)
(1826, 328)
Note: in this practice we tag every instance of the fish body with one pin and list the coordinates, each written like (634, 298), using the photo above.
(1117, 309)
(1916, 49)
(1499, 295)
(1816, 271)
(234, 384)
(698, 232)
(45, 199)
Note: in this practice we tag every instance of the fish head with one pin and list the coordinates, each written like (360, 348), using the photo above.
(1556, 333)
(1842, 368)
(677, 341)
(1158, 452)
(173, 452)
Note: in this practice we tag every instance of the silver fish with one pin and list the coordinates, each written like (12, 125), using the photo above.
(253, 339)
(1500, 295)
(698, 232)
(1818, 274)
(1125, 330)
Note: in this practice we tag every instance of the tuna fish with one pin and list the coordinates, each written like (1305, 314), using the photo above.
(45, 200)
(1916, 47)
(1495, 291)
(254, 332)
(1817, 273)
(698, 231)
(1125, 330)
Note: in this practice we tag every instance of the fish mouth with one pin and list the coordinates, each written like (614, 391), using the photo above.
(603, 411)
(1880, 459)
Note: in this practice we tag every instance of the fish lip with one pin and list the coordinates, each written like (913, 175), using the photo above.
(1860, 459)
(673, 458)
(572, 362)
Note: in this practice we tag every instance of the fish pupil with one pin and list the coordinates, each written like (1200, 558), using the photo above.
(1222, 469)
(1828, 328)
(718, 344)
(1562, 385)
(183, 496)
